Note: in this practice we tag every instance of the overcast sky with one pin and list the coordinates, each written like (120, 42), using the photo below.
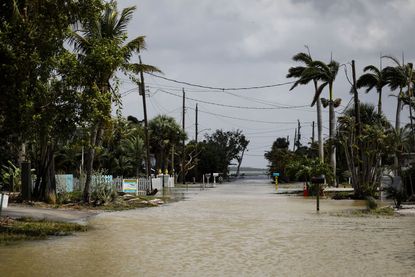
(244, 43)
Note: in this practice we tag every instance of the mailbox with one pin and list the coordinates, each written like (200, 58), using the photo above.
(318, 180)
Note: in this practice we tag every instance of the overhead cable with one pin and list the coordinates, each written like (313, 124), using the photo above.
(233, 106)
(218, 88)
(247, 119)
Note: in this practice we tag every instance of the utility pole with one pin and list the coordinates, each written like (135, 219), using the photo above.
(172, 162)
(299, 134)
(142, 92)
(312, 134)
(196, 125)
(358, 124)
(295, 139)
(183, 145)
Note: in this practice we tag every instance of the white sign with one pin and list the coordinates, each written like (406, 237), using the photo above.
(129, 185)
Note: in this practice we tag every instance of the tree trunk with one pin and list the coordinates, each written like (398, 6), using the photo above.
(95, 141)
(380, 102)
(412, 125)
(397, 130)
(320, 131)
(332, 123)
(240, 162)
(45, 188)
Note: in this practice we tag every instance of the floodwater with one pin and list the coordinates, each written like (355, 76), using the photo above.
(234, 229)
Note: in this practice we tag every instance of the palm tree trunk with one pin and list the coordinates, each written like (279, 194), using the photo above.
(240, 162)
(332, 129)
(319, 127)
(380, 102)
(398, 112)
(95, 140)
(90, 156)
(397, 130)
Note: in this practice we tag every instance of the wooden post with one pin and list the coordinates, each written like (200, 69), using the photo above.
(318, 198)
(196, 124)
(146, 137)
(26, 181)
(183, 143)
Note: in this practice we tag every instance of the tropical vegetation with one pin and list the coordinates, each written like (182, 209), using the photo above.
(366, 142)
(60, 110)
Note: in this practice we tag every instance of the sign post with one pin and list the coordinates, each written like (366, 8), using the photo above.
(276, 175)
(130, 186)
(318, 181)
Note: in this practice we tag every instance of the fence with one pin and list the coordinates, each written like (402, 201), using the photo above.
(68, 183)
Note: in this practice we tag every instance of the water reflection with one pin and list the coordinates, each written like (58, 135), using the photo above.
(231, 230)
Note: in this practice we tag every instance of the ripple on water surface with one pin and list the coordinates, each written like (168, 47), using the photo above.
(231, 230)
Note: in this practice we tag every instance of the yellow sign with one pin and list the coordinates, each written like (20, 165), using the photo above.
(276, 182)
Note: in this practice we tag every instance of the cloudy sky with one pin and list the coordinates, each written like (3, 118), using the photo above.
(245, 43)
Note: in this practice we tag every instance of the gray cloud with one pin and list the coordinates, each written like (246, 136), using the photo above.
(243, 42)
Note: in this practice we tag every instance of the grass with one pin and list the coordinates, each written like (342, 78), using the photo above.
(378, 212)
(30, 229)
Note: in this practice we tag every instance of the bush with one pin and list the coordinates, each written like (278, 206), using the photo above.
(69, 197)
(102, 191)
(371, 203)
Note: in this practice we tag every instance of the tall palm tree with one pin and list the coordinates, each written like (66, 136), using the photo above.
(399, 77)
(396, 78)
(165, 134)
(374, 78)
(296, 72)
(325, 73)
(102, 51)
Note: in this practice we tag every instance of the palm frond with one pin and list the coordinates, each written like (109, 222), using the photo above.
(125, 18)
(392, 58)
(133, 46)
(80, 43)
(303, 57)
(334, 68)
(373, 69)
(137, 68)
(321, 65)
(295, 72)
(368, 80)
(395, 77)
(318, 93)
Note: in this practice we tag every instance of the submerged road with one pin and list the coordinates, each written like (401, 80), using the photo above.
(236, 229)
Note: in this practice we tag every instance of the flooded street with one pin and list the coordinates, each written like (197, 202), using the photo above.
(234, 229)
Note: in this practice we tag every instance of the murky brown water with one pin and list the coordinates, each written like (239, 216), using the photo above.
(232, 230)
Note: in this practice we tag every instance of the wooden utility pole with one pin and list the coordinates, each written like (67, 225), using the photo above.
(295, 139)
(358, 125)
(142, 92)
(183, 143)
(196, 124)
(312, 134)
(298, 134)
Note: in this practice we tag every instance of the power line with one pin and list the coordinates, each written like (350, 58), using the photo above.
(232, 106)
(272, 104)
(246, 119)
(272, 131)
(218, 88)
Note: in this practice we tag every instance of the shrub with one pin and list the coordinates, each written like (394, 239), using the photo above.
(102, 191)
(371, 203)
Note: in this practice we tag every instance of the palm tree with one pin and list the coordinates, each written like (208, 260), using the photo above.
(398, 77)
(102, 51)
(325, 73)
(374, 78)
(165, 134)
(296, 72)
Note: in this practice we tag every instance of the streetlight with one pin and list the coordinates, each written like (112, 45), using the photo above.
(197, 133)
